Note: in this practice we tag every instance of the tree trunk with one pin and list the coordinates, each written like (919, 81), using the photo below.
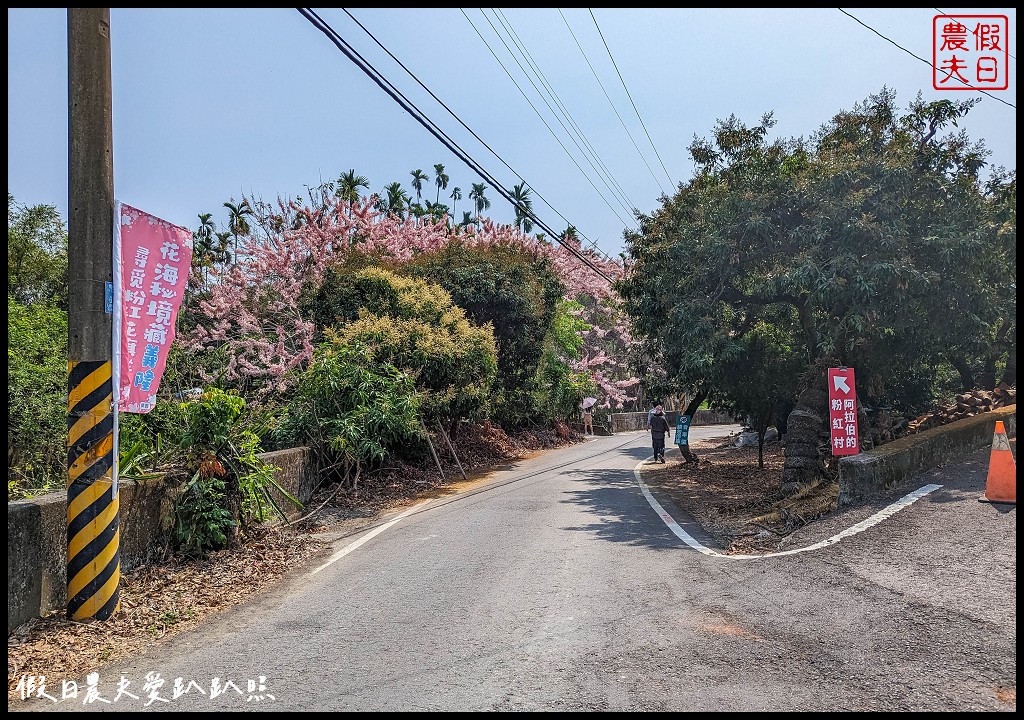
(964, 370)
(807, 430)
(695, 403)
(782, 410)
(1010, 372)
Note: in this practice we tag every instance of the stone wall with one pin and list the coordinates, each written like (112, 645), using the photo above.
(37, 532)
(629, 422)
(870, 473)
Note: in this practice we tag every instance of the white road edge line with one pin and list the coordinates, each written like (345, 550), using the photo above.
(367, 537)
(859, 527)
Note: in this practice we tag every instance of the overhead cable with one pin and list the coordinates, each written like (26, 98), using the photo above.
(477, 137)
(409, 107)
(609, 50)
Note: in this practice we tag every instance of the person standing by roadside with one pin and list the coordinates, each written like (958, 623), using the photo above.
(650, 413)
(588, 420)
(659, 429)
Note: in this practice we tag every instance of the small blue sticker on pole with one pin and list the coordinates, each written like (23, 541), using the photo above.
(108, 305)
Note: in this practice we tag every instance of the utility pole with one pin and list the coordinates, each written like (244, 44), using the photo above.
(94, 558)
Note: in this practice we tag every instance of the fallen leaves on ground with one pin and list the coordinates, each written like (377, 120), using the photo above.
(157, 601)
(737, 502)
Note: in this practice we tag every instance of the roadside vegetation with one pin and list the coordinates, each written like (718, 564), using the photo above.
(884, 243)
(375, 327)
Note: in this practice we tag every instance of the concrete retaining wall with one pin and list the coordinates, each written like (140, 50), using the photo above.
(37, 532)
(871, 473)
(628, 422)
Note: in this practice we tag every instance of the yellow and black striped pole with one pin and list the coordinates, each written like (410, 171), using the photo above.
(93, 563)
(94, 569)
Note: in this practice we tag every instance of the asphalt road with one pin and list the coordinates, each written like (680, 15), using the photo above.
(562, 584)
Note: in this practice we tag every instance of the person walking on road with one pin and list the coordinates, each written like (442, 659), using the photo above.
(659, 429)
(650, 413)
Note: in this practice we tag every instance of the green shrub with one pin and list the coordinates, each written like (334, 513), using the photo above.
(37, 381)
(229, 490)
(351, 411)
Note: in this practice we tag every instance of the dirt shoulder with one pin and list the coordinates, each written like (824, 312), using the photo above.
(734, 499)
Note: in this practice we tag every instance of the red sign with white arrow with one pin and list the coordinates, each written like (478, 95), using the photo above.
(842, 411)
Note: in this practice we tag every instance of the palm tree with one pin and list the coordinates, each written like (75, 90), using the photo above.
(203, 241)
(479, 201)
(437, 210)
(398, 199)
(237, 223)
(349, 184)
(207, 227)
(418, 178)
(467, 218)
(523, 207)
(221, 252)
(571, 235)
(441, 180)
(455, 196)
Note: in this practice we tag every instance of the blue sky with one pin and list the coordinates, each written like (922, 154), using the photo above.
(211, 104)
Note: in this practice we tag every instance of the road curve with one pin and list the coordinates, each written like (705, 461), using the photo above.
(555, 584)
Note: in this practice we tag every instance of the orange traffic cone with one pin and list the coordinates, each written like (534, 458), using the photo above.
(1001, 485)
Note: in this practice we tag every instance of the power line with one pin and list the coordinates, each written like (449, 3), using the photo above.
(539, 115)
(621, 121)
(470, 130)
(398, 97)
(608, 49)
(629, 204)
(926, 62)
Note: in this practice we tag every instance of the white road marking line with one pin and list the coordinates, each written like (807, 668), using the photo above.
(367, 537)
(859, 527)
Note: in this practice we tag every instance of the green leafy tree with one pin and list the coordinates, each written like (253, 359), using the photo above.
(559, 387)
(758, 379)
(873, 245)
(414, 326)
(515, 292)
(37, 254)
(37, 382)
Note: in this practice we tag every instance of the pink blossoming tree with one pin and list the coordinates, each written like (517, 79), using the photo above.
(251, 310)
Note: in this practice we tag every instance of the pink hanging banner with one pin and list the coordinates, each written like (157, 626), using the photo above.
(152, 260)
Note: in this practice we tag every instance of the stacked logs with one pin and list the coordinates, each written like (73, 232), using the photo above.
(965, 405)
